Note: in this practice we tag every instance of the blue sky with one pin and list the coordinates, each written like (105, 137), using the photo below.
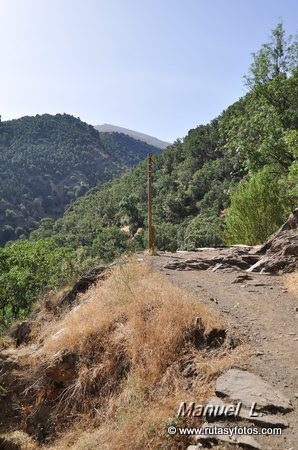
(156, 66)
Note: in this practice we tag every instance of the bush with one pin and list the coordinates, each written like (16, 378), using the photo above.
(166, 237)
(110, 243)
(256, 211)
(26, 270)
(203, 231)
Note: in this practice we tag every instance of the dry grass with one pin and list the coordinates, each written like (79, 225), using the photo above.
(291, 282)
(121, 362)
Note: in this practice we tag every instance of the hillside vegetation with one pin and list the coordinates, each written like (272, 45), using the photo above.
(46, 162)
(234, 180)
(112, 372)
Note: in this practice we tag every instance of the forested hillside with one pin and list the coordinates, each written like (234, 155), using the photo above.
(46, 162)
(233, 180)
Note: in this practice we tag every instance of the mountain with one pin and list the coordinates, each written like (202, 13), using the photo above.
(107, 128)
(231, 181)
(191, 180)
(48, 161)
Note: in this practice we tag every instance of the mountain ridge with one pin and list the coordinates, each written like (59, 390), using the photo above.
(151, 140)
(48, 161)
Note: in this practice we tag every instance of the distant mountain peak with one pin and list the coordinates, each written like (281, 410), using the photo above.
(151, 140)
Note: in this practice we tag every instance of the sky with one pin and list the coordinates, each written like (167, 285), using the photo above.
(160, 67)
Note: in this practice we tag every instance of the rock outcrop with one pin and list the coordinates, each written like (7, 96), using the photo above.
(278, 254)
(280, 251)
(83, 284)
(248, 388)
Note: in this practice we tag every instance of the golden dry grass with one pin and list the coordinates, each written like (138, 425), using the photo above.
(132, 338)
(290, 281)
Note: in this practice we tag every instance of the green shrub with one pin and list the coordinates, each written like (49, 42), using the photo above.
(109, 244)
(28, 269)
(256, 211)
(203, 231)
(166, 237)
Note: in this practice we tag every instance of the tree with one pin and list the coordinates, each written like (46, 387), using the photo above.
(257, 210)
(203, 231)
(255, 127)
(277, 58)
(28, 269)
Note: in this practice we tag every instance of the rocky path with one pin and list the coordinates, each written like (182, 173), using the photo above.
(263, 306)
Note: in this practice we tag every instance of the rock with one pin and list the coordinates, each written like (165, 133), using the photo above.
(16, 440)
(178, 265)
(290, 224)
(84, 283)
(244, 413)
(198, 266)
(38, 422)
(265, 419)
(236, 261)
(64, 371)
(241, 277)
(21, 333)
(250, 259)
(280, 250)
(188, 264)
(8, 444)
(256, 267)
(241, 440)
(248, 388)
(218, 266)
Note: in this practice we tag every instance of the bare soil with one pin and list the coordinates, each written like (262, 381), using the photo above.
(264, 308)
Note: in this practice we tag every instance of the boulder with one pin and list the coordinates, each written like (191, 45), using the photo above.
(244, 413)
(84, 283)
(241, 278)
(280, 251)
(21, 332)
(248, 388)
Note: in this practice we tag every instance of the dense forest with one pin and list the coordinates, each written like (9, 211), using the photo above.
(234, 180)
(46, 162)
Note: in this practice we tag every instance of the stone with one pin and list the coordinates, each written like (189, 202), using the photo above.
(7, 444)
(21, 332)
(241, 440)
(280, 250)
(63, 372)
(256, 267)
(264, 419)
(244, 413)
(189, 264)
(243, 386)
(198, 266)
(241, 277)
(83, 284)
(236, 261)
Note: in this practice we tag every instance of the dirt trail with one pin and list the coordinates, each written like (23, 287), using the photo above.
(264, 308)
